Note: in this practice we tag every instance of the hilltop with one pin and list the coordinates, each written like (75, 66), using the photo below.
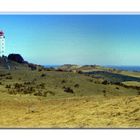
(84, 68)
(16, 62)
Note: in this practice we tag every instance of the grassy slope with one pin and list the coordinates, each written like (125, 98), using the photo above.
(131, 73)
(89, 106)
(31, 112)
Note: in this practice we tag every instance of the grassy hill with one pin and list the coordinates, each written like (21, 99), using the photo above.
(52, 98)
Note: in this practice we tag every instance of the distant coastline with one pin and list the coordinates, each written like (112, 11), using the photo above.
(127, 68)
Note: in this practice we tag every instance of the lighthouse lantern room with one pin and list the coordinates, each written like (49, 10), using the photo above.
(2, 43)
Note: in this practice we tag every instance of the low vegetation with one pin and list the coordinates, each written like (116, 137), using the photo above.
(34, 97)
(81, 112)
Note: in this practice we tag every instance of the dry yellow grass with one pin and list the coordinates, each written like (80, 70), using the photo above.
(131, 73)
(132, 83)
(81, 112)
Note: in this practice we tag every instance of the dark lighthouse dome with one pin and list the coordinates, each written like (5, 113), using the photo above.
(1, 33)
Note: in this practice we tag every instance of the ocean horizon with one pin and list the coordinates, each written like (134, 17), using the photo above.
(123, 67)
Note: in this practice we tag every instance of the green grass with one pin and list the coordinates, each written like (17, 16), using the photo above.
(92, 104)
(132, 83)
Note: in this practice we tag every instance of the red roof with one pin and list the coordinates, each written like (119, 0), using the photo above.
(1, 33)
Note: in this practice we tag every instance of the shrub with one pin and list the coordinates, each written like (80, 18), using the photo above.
(63, 87)
(2, 75)
(27, 83)
(8, 86)
(32, 66)
(39, 69)
(45, 94)
(80, 72)
(76, 85)
(9, 77)
(69, 90)
(8, 73)
(118, 83)
(43, 75)
(51, 92)
(38, 93)
(60, 70)
(139, 93)
(17, 85)
(42, 85)
(104, 91)
(105, 82)
(63, 81)
(90, 80)
(12, 91)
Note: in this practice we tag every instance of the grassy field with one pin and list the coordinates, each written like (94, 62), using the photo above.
(53, 99)
(132, 83)
(93, 112)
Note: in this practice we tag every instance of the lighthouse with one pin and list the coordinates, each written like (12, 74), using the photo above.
(2, 43)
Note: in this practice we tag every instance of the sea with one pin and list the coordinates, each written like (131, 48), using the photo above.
(127, 68)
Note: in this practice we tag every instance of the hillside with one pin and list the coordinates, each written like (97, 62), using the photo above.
(34, 96)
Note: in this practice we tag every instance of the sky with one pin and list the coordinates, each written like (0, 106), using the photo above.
(73, 39)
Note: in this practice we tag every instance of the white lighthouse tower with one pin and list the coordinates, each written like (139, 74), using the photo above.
(2, 43)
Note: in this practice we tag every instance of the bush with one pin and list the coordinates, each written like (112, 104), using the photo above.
(104, 94)
(63, 81)
(76, 85)
(104, 91)
(32, 66)
(90, 80)
(69, 90)
(27, 83)
(43, 75)
(118, 83)
(80, 72)
(8, 73)
(9, 77)
(105, 82)
(17, 85)
(12, 91)
(39, 69)
(42, 85)
(8, 86)
(2, 75)
(45, 94)
(51, 92)
(38, 93)
(98, 82)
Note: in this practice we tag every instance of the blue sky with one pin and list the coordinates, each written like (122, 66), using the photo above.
(75, 39)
